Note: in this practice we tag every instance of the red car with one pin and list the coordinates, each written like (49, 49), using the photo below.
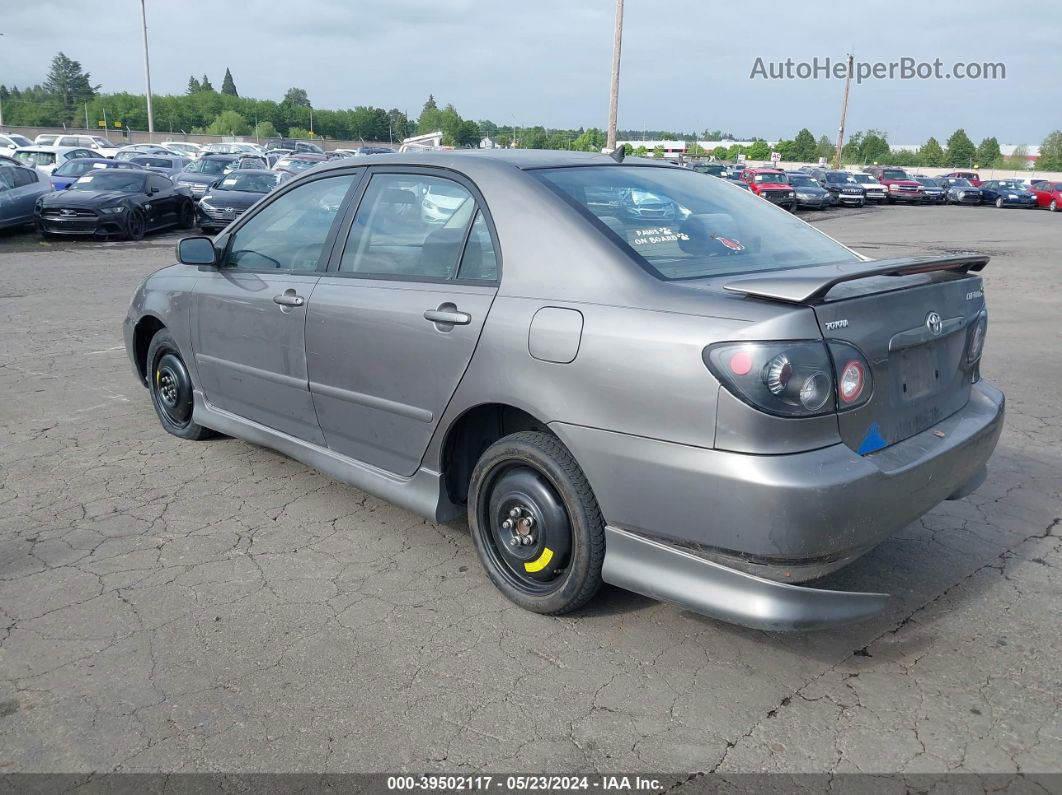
(772, 185)
(1048, 194)
(898, 186)
(973, 177)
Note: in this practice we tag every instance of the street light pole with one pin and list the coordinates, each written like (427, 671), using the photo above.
(1, 105)
(147, 73)
(613, 100)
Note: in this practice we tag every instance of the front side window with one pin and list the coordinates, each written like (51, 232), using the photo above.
(290, 233)
(408, 225)
(697, 227)
(24, 176)
(7, 178)
(894, 173)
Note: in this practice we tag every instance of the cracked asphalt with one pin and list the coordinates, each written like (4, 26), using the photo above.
(178, 606)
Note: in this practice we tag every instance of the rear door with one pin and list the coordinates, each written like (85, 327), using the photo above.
(394, 323)
(914, 332)
(249, 315)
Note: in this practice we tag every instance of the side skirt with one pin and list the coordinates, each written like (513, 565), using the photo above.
(423, 493)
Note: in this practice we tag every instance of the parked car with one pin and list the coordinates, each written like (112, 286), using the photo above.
(772, 185)
(170, 165)
(842, 187)
(899, 186)
(20, 187)
(203, 172)
(9, 161)
(1048, 194)
(138, 150)
(293, 145)
(123, 202)
(233, 148)
(873, 190)
(254, 162)
(47, 158)
(183, 148)
(682, 414)
(295, 163)
(960, 191)
(809, 193)
(45, 139)
(11, 141)
(934, 190)
(970, 176)
(230, 197)
(68, 173)
(98, 144)
(1007, 193)
(715, 169)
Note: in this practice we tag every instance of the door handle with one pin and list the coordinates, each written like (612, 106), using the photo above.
(450, 317)
(289, 299)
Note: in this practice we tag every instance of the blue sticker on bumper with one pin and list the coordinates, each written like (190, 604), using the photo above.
(872, 441)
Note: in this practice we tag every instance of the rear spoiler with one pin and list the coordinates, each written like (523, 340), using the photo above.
(809, 285)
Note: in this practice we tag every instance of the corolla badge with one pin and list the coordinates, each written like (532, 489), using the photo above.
(934, 323)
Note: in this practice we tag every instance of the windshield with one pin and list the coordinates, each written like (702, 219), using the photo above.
(124, 180)
(894, 173)
(104, 143)
(35, 158)
(773, 178)
(695, 227)
(207, 166)
(864, 179)
(840, 176)
(802, 181)
(76, 167)
(296, 164)
(250, 183)
(960, 183)
(928, 182)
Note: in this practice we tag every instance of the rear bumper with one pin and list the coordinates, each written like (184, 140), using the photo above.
(786, 517)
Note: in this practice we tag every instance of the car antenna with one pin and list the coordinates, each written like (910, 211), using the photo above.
(618, 153)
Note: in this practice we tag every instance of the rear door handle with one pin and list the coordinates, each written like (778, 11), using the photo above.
(449, 317)
(289, 299)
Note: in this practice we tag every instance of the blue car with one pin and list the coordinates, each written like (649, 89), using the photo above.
(1007, 193)
(68, 173)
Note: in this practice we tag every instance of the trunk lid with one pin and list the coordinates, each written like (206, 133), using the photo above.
(911, 318)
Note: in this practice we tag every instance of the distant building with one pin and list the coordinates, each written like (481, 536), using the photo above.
(487, 143)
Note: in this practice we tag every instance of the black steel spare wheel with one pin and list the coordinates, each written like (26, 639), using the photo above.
(536, 524)
(171, 388)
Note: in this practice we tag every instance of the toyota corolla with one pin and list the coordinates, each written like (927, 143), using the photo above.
(706, 407)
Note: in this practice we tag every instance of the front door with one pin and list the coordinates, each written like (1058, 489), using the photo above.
(249, 315)
(395, 322)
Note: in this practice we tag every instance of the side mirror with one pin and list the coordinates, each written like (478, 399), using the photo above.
(197, 251)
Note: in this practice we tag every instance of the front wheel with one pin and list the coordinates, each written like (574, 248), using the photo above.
(171, 388)
(536, 524)
(1053, 206)
(186, 216)
(135, 226)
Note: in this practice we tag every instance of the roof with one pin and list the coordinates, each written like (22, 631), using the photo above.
(518, 158)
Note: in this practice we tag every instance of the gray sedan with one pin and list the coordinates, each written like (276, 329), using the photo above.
(705, 405)
(20, 188)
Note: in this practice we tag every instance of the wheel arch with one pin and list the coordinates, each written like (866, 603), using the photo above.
(472, 432)
(144, 330)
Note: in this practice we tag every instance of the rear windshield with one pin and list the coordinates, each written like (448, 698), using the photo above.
(206, 166)
(678, 225)
(35, 158)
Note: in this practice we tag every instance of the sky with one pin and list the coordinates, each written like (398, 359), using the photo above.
(686, 63)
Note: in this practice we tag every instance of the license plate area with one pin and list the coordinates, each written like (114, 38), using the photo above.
(918, 372)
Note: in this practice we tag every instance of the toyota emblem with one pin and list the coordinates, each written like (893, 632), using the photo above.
(934, 323)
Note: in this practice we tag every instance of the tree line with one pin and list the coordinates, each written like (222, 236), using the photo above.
(67, 97)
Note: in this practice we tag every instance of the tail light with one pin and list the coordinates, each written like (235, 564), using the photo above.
(792, 379)
(976, 344)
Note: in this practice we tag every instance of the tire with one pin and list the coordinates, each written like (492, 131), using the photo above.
(999, 202)
(861, 203)
(1053, 206)
(559, 569)
(171, 388)
(185, 216)
(134, 229)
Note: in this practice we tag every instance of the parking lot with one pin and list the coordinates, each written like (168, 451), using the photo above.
(174, 606)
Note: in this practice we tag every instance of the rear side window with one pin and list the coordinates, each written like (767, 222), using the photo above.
(479, 262)
(408, 226)
(23, 176)
(679, 225)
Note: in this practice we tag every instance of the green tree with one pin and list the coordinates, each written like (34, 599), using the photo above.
(658, 152)
(265, 129)
(194, 86)
(228, 85)
(874, 148)
(399, 126)
(719, 152)
(297, 98)
(760, 150)
(641, 151)
(1018, 158)
(804, 146)
(204, 84)
(961, 150)
(229, 122)
(299, 132)
(1050, 158)
(988, 154)
(824, 148)
(694, 149)
(592, 140)
(68, 85)
(931, 153)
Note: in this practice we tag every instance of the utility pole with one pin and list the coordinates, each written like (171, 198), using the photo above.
(1, 105)
(613, 99)
(147, 74)
(844, 113)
